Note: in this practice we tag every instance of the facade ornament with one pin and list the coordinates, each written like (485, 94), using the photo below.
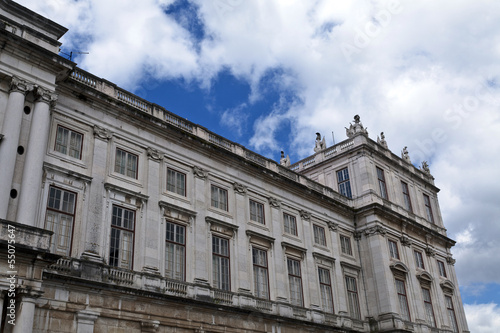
(425, 167)
(355, 129)
(284, 161)
(405, 156)
(240, 188)
(102, 133)
(405, 240)
(154, 154)
(20, 85)
(450, 260)
(273, 202)
(357, 235)
(199, 172)
(320, 143)
(381, 140)
(376, 230)
(44, 95)
(430, 251)
(150, 326)
(305, 215)
(333, 226)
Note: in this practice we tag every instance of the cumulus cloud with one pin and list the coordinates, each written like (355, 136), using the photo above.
(483, 318)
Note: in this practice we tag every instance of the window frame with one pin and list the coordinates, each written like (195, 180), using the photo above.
(176, 244)
(343, 247)
(288, 226)
(428, 306)
(393, 247)
(261, 206)
(259, 267)
(175, 173)
(353, 295)
(216, 202)
(122, 229)
(60, 212)
(382, 184)
(292, 276)
(451, 313)
(319, 234)
(428, 208)
(330, 308)
(403, 296)
(219, 283)
(419, 259)
(68, 147)
(442, 268)
(406, 196)
(127, 155)
(344, 182)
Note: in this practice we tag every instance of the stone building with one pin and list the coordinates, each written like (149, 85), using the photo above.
(116, 215)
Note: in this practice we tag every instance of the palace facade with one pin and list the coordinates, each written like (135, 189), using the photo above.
(117, 215)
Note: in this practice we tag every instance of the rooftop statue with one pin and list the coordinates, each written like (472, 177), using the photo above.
(320, 144)
(381, 140)
(284, 161)
(405, 156)
(356, 128)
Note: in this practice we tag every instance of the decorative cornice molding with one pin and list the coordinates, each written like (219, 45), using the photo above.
(251, 233)
(154, 154)
(102, 133)
(376, 230)
(239, 188)
(212, 220)
(320, 256)
(168, 206)
(116, 188)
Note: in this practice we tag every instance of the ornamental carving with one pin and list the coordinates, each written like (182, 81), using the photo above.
(425, 167)
(44, 95)
(199, 172)
(405, 240)
(357, 235)
(405, 156)
(102, 133)
(381, 140)
(20, 85)
(376, 230)
(355, 129)
(154, 154)
(430, 251)
(273, 202)
(333, 226)
(305, 215)
(240, 188)
(450, 260)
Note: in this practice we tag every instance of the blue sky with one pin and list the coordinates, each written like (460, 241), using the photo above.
(270, 74)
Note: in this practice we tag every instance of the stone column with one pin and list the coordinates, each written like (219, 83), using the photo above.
(25, 312)
(11, 130)
(85, 321)
(35, 153)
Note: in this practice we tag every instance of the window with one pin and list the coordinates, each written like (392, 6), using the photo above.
(175, 251)
(419, 259)
(393, 249)
(290, 224)
(295, 282)
(219, 198)
(352, 297)
(176, 182)
(325, 286)
(345, 245)
(406, 196)
(344, 183)
(403, 301)
(69, 142)
(257, 212)
(442, 269)
(260, 276)
(59, 218)
(319, 235)
(451, 313)
(429, 312)
(126, 163)
(428, 208)
(381, 183)
(220, 261)
(122, 237)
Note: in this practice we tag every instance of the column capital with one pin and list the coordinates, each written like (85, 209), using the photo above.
(20, 85)
(44, 95)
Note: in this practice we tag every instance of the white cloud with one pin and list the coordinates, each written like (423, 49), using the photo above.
(483, 318)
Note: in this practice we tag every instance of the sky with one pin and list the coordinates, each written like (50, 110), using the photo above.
(270, 74)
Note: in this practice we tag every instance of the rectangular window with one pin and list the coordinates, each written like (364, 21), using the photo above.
(257, 212)
(175, 251)
(325, 285)
(295, 282)
(428, 208)
(344, 182)
(121, 247)
(290, 224)
(393, 249)
(219, 198)
(69, 142)
(403, 301)
(406, 196)
(220, 261)
(260, 276)
(429, 312)
(419, 259)
(345, 245)
(442, 269)
(319, 235)
(352, 297)
(126, 163)
(451, 313)
(176, 182)
(381, 183)
(59, 218)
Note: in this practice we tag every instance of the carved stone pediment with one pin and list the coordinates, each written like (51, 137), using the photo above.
(447, 286)
(399, 268)
(424, 277)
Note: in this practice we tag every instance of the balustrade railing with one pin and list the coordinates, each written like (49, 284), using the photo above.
(176, 287)
(264, 305)
(120, 276)
(223, 297)
(62, 265)
(84, 78)
(219, 141)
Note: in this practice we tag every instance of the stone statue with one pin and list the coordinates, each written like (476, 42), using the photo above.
(320, 144)
(425, 167)
(405, 156)
(284, 161)
(381, 140)
(356, 128)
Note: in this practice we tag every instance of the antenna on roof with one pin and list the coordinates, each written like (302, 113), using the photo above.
(70, 55)
(333, 137)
